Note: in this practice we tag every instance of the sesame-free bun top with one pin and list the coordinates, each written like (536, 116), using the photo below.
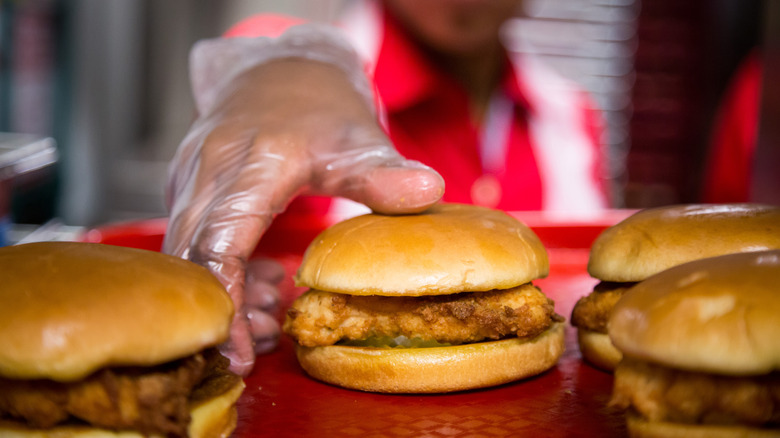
(655, 239)
(448, 248)
(70, 308)
(717, 315)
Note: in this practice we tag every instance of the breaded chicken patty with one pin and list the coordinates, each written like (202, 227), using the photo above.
(320, 318)
(592, 311)
(153, 402)
(659, 393)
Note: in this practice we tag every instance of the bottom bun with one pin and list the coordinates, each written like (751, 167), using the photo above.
(436, 369)
(640, 427)
(212, 418)
(597, 349)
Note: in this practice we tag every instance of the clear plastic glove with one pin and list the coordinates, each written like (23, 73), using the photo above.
(301, 121)
(262, 301)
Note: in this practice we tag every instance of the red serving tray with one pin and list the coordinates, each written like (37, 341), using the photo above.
(280, 400)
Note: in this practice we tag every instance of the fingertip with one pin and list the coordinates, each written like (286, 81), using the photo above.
(241, 360)
(409, 188)
(265, 269)
(265, 331)
(261, 295)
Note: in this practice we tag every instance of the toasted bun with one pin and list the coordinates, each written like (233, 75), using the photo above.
(436, 369)
(716, 315)
(656, 239)
(446, 249)
(642, 428)
(68, 309)
(597, 349)
(212, 418)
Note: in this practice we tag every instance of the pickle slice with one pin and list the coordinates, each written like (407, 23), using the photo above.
(393, 342)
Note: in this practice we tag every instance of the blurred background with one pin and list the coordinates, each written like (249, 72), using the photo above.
(107, 81)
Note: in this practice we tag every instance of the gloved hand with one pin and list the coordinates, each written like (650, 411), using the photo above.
(300, 121)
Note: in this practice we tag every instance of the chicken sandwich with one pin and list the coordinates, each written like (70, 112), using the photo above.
(433, 302)
(656, 239)
(100, 340)
(701, 350)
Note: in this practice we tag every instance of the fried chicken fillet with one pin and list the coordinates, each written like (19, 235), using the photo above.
(592, 311)
(319, 318)
(664, 394)
(129, 398)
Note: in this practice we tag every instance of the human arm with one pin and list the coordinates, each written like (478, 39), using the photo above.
(297, 118)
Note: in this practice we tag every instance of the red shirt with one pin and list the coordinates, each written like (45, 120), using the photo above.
(733, 143)
(429, 120)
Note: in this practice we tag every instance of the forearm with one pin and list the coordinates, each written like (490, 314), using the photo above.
(215, 63)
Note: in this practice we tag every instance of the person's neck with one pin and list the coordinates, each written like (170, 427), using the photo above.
(480, 74)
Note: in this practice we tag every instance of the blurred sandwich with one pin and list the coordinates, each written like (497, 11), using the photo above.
(99, 340)
(653, 240)
(701, 350)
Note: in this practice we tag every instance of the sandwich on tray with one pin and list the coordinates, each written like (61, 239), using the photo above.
(104, 341)
(701, 350)
(656, 239)
(433, 302)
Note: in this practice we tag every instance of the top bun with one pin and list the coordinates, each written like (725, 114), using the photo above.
(446, 249)
(656, 239)
(70, 308)
(716, 315)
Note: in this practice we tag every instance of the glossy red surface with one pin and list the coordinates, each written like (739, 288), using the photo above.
(569, 400)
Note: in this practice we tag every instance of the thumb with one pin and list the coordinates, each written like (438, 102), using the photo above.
(379, 177)
(403, 187)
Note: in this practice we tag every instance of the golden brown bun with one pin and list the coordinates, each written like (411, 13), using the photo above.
(597, 349)
(449, 248)
(212, 418)
(434, 370)
(656, 239)
(716, 315)
(68, 309)
(642, 428)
